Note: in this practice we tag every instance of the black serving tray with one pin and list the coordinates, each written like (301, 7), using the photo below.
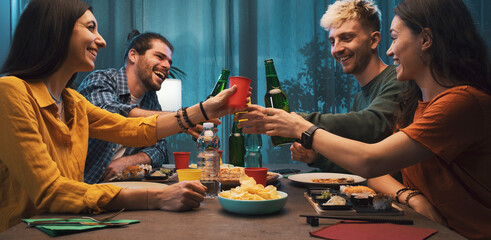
(349, 209)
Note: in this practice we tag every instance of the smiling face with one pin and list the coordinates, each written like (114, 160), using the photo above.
(351, 46)
(406, 51)
(153, 67)
(85, 42)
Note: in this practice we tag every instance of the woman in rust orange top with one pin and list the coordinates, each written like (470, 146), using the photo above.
(45, 125)
(444, 142)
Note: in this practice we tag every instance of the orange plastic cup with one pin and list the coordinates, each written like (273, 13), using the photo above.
(259, 174)
(239, 98)
(181, 159)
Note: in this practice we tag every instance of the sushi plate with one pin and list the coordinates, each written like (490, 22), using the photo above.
(350, 210)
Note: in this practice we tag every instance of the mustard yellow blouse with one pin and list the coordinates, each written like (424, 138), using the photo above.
(42, 159)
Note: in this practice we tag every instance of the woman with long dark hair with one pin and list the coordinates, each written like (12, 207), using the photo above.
(443, 145)
(45, 126)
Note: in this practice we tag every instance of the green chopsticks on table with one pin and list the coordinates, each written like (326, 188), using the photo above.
(59, 226)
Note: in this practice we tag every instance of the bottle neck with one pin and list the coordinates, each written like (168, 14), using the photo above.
(221, 83)
(235, 129)
(271, 77)
(253, 142)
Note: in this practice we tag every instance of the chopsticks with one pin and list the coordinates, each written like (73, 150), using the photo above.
(313, 220)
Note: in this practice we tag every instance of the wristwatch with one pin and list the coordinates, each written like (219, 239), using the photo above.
(308, 137)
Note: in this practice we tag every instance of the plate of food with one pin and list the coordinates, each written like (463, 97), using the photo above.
(326, 179)
(351, 200)
(329, 199)
(159, 174)
(229, 177)
(251, 198)
(132, 173)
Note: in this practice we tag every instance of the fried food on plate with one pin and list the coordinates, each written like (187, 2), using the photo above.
(334, 180)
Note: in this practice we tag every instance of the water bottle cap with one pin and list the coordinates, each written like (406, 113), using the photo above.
(208, 125)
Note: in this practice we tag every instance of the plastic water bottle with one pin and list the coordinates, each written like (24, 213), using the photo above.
(253, 144)
(209, 160)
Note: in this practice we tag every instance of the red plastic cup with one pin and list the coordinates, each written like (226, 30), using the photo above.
(220, 152)
(181, 159)
(239, 98)
(259, 174)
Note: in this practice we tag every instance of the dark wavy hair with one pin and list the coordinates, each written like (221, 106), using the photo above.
(458, 55)
(42, 37)
(142, 42)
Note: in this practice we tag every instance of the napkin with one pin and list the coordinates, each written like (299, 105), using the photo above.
(351, 230)
(58, 230)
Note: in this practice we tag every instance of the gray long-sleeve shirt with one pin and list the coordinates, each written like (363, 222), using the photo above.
(370, 120)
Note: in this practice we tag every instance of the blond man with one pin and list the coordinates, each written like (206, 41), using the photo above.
(354, 34)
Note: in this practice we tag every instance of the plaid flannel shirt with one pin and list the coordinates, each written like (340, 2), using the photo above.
(108, 89)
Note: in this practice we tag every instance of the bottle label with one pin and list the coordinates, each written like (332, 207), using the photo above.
(236, 134)
(208, 133)
(274, 91)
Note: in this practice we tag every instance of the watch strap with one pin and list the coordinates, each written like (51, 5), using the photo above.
(308, 137)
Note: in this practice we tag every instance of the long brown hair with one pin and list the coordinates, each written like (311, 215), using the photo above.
(458, 54)
(41, 38)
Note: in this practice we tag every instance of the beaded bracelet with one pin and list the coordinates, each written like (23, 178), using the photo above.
(186, 118)
(401, 191)
(178, 116)
(203, 110)
(412, 194)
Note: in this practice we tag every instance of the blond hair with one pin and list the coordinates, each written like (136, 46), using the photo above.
(341, 11)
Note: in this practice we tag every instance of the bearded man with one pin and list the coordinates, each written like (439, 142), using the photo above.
(129, 91)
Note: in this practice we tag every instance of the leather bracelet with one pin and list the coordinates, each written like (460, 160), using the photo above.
(186, 118)
(412, 194)
(401, 191)
(178, 116)
(203, 110)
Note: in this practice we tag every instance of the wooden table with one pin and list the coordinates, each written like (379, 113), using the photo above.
(210, 221)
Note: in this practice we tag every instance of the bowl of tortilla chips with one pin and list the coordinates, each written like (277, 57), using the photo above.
(252, 199)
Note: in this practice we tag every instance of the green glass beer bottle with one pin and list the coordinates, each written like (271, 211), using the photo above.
(275, 98)
(221, 83)
(236, 148)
